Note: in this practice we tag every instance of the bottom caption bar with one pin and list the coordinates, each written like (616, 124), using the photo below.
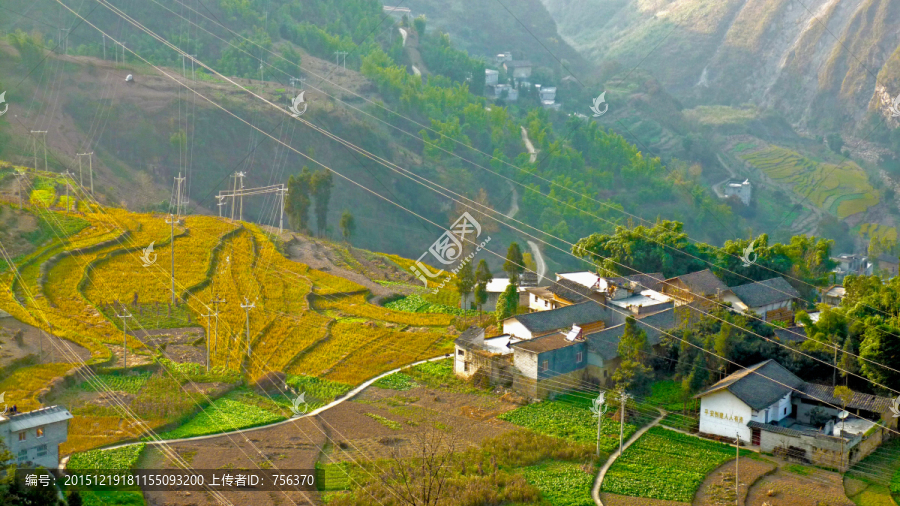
(171, 479)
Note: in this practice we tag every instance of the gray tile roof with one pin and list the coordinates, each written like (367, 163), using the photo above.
(791, 334)
(554, 319)
(37, 418)
(468, 337)
(546, 343)
(571, 291)
(606, 342)
(758, 386)
(766, 292)
(824, 393)
(777, 429)
(650, 281)
(702, 282)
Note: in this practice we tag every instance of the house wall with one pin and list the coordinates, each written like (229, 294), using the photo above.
(54, 435)
(802, 410)
(784, 313)
(723, 414)
(536, 303)
(776, 412)
(819, 450)
(513, 327)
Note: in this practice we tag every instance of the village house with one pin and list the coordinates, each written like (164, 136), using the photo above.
(588, 315)
(886, 265)
(491, 77)
(497, 286)
(772, 299)
(834, 295)
(770, 408)
(491, 357)
(563, 292)
(518, 69)
(33, 437)
(701, 287)
(857, 265)
(743, 190)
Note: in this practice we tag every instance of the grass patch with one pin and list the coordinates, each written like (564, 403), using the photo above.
(568, 420)
(117, 459)
(397, 381)
(131, 383)
(226, 414)
(318, 389)
(798, 469)
(665, 465)
(332, 476)
(561, 483)
(390, 424)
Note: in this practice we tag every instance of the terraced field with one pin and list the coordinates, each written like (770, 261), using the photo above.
(73, 287)
(842, 190)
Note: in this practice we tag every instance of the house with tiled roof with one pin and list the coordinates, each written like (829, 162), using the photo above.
(699, 289)
(491, 357)
(772, 299)
(33, 437)
(588, 315)
(769, 407)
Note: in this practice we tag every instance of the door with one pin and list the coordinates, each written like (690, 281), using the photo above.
(754, 437)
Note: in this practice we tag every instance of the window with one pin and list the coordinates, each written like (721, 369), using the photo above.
(578, 357)
(23, 435)
(785, 411)
(545, 365)
(546, 302)
(23, 455)
(461, 353)
(466, 367)
(40, 432)
(42, 450)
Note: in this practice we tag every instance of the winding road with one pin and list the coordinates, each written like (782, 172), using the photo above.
(595, 492)
(539, 260)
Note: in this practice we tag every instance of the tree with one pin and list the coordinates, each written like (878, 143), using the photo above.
(296, 205)
(880, 346)
(529, 262)
(483, 276)
(465, 280)
(74, 499)
(419, 23)
(835, 142)
(848, 360)
(514, 264)
(321, 184)
(507, 303)
(633, 375)
(348, 225)
(420, 478)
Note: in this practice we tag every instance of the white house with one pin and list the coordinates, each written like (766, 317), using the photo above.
(770, 408)
(742, 189)
(518, 69)
(34, 436)
(772, 299)
(491, 77)
(497, 286)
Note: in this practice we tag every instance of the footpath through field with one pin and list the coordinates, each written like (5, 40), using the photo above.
(595, 492)
(351, 394)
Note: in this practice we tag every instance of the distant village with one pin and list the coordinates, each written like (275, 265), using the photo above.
(567, 337)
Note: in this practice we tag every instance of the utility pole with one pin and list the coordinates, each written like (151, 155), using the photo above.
(233, 195)
(66, 175)
(19, 176)
(239, 175)
(208, 334)
(63, 41)
(104, 46)
(90, 169)
(192, 56)
(281, 191)
(624, 398)
(124, 336)
(737, 446)
(599, 409)
(179, 181)
(34, 145)
(215, 302)
(171, 220)
(247, 307)
(220, 204)
(337, 55)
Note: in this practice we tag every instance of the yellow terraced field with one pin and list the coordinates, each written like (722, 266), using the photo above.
(356, 305)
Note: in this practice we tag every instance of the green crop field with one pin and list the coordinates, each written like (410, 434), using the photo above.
(567, 420)
(665, 465)
(842, 190)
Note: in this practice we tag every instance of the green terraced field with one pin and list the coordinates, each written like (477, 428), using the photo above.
(842, 190)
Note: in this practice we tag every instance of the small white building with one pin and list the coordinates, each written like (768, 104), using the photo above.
(772, 409)
(34, 437)
(491, 77)
(497, 286)
(834, 295)
(742, 189)
(518, 69)
(771, 299)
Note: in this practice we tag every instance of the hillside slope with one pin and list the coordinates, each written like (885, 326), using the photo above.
(821, 62)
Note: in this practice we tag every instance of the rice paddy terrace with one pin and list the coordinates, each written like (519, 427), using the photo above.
(305, 322)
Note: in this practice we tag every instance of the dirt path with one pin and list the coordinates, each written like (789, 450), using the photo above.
(718, 488)
(595, 492)
(312, 253)
(18, 340)
(514, 205)
(538, 259)
(529, 146)
(404, 34)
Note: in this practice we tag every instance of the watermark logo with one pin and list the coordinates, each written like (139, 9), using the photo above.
(296, 103)
(448, 249)
(895, 107)
(597, 404)
(149, 257)
(895, 406)
(601, 100)
(4, 103)
(748, 251)
(299, 406)
(3, 400)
